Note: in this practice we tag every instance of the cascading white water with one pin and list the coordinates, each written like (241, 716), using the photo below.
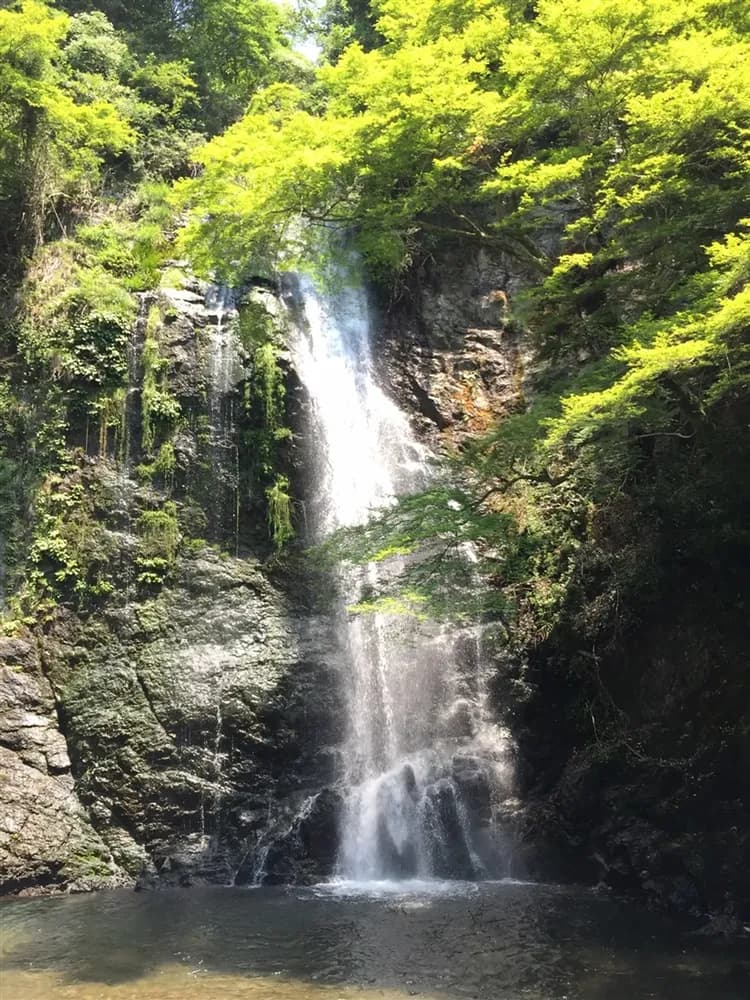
(405, 814)
(224, 373)
(365, 450)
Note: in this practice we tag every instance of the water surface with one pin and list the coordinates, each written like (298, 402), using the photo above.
(442, 941)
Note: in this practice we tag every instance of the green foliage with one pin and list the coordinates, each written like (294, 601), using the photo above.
(409, 602)
(256, 331)
(112, 415)
(279, 512)
(604, 146)
(93, 47)
(265, 410)
(382, 153)
(159, 408)
(335, 24)
(601, 144)
(32, 438)
(70, 559)
(474, 121)
(232, 44)
(268, 386)
(75, 324)
(53, 137)
(231, 47)
(131, 242)
(159, 541)
(163, 466)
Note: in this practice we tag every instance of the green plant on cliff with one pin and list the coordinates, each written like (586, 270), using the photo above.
(279, 511)
(266, 430)
(71, 554)
(163, 465)
(158, 405)
(159, 541)
(112, 414)
(131, 240)
(75, 324)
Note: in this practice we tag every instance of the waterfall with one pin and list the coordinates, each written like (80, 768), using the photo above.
(415, 791)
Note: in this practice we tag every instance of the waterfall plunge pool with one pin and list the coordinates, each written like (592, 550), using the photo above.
(351, 941)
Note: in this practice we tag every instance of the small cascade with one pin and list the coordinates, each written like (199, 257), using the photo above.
(223, 375)
(422, 761)
(132, 407)
(219, 756)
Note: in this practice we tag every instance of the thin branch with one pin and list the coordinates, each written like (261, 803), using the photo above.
(677, 434)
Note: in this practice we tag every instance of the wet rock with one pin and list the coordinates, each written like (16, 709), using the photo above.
(182, 708)
(318, 829)
(450, 355)
(450, 852)
(307, 852)
(473, 783)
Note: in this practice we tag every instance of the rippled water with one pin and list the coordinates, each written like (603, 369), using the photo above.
(506, 941)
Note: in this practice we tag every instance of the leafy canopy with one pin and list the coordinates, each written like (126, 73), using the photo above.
(602, 144)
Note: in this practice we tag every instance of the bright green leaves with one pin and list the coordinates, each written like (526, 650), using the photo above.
(53, 137)
(593, 110)
(425, 21)
(93, 47)
(75, 324)
(603, 143)
(159, 408)
(159, 541)
(265, 432)
(398, 139)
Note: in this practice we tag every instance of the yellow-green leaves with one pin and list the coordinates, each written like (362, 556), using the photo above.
(54, 132)
(399, 130)
(605, 142)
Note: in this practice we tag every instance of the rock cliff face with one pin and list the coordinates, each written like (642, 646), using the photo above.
(657, 806)
(46, 837)
(196, 719)
(449, 352)
(194, 722)
(160, 733)
(190, 729)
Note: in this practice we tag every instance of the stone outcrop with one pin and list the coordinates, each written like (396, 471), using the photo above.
(449, 351)
(198, 716)
(195, 723)
(307, 851)
(46, 837)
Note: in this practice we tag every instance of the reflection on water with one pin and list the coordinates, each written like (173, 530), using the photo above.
(506, 941)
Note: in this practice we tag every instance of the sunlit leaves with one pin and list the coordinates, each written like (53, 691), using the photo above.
(603, 143)
(53, 134)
